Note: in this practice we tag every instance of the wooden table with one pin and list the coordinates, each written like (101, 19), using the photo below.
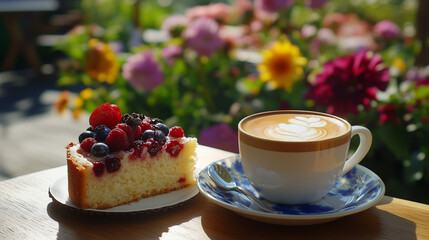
(27, 212)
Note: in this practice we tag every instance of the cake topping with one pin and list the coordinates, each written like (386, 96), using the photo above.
(111, 132)
(105, 114)
(117, 140)
(98, 168)
(99, 149)
(101, 132)
(112, 163)
(85, 135)
(163, 128)
(177, 132)
(87, 144)
(128, 130)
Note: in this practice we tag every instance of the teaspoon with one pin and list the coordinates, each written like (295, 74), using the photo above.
(224, 180)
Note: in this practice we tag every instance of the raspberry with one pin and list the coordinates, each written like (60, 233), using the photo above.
(128, 130)
(145, 126)
(137, 133)
(112, 164)
(87, 143)
(98, 168)
(106, 114)
(177, 132)
(117, 140)
(174, 148)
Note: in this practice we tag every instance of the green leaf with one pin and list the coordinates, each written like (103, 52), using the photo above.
(393, 137)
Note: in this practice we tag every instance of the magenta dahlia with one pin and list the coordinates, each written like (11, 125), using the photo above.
(347, 82)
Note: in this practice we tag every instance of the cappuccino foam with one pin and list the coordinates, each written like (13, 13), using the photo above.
(295, 127)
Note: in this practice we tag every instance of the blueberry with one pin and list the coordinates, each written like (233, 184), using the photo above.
(159, 136)
(85, 135)
(148, 134)
(101, 133)
(100, 150)
(163, 128)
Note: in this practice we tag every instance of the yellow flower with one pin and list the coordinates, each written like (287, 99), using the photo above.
(86, 94)
(62, 101)
(101, 62)
(78, 104)
(282, 65)
(399, 64)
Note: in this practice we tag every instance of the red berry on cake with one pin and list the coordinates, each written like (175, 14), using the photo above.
(137, 133)
(177, 132)
(145, 126)
(98, 168)
(87, 144)
(128, 130)
(105, 114)
(117, 140)
(174, 148)
(112, 164)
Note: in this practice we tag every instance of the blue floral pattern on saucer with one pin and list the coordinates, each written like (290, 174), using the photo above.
(356, 191)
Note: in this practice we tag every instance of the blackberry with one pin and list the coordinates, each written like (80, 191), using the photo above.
(131, 120)
(154, 121)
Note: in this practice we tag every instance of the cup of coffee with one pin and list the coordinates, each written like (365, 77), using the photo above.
(295, 157)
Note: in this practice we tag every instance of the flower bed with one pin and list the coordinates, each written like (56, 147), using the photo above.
(215, 64)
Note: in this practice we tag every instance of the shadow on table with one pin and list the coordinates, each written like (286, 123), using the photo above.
(219, 222)
(75, 224)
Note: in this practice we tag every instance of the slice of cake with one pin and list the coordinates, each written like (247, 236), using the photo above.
(122, 158)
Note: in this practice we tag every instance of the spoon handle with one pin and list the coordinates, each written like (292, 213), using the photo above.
(255, 199)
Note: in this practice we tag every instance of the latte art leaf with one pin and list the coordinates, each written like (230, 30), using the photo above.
(299, 129)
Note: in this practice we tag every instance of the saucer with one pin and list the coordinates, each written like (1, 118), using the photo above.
(58, 191)
(354, 192)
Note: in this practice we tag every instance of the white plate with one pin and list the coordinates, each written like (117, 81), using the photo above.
(59, 192)
(354, 192)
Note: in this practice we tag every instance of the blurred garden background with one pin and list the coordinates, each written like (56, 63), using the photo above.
(204, 65)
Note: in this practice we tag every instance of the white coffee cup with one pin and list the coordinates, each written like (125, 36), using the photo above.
(295, 157)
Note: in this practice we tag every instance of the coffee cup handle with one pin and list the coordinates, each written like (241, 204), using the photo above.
(364, 146)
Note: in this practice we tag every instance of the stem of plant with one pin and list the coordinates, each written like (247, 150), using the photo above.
(206, 93)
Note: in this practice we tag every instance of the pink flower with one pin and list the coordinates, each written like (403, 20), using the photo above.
(273, 6)
(216, 11)
(388, 113)
(142, 71)
(220, 136)
(202, 35)
(386, 29)
(170, 54)
(174, 25)
(418, 76)
(347, 82)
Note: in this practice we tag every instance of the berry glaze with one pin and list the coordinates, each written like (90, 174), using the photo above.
(133, 136)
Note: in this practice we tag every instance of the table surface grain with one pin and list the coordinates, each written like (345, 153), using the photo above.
(27, 212)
